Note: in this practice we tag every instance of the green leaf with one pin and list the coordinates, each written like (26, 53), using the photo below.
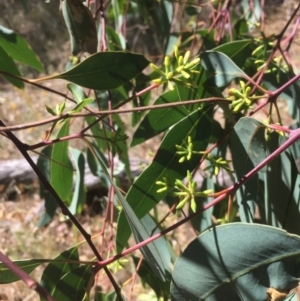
(221, 69)
(281, 205)
(66, 281)
(139, 230)
(161, 243)
(273, 81)
(18, 49)
(82, 105)
(244, 159)
(77, 92)
(113, 39)
(161, 289)
(157, 121)
(79, 194)
(7, 276)
(143, 195)
(61, 174)
(253, 12)
(238, 51)
(236, 262)
(159, 14)
(44, 165)
(8, 65)
(81, 26)
(104, 70)
(72, 286)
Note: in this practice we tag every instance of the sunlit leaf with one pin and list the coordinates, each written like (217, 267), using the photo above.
(8, 65)
(61, 174)
(79, 194)
(221, 69)
(236, 262)
(18, 49)
(44, 165)
(77, 92)
(244, 159)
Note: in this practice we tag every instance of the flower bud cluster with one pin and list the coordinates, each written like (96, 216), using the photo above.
(171, 75)
(241, 99)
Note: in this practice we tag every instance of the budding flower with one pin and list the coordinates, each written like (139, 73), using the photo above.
(186, 57)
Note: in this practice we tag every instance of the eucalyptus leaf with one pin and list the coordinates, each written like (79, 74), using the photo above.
(81, 26)
(236, 262)
(61, 170)
(221, 69)
(104, 70)
(246, 145)
(44, 165)
(143, 195)
(77, 92)
(140, 231)
(56, 270)
(79, 194)
(7, 276)
(8, 65)
(18, 49)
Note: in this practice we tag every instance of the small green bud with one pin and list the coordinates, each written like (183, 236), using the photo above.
(193, 63)
(167, 64)
(167, 61)
(169, 75)
(180, 61)
(163, 189)
(258, 49)
(216, 170)
(186, 57)
(180, 68)
(193, 205)
(185, 74)
(242, 84)
(49, 110)
(238, 107)
(176, 52)
(170, 86)
(154, 67)
(158, 81)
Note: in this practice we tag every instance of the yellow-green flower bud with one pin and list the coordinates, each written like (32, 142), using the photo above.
(186, 57)
(180, 68)
(154, 67)
(167, 64)
(238, 107)
(176, 52)
(193, 205)
(180, 60)
(169, 75)
(193, 63)
(158, 81)
(185, 74)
